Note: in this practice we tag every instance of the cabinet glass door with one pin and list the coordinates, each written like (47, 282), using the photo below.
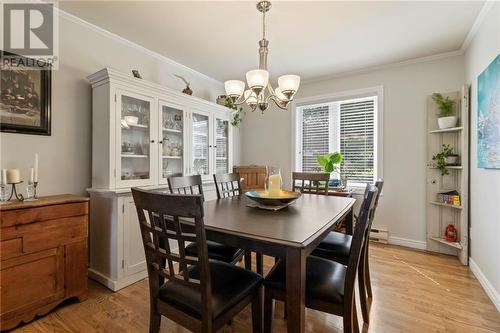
(221, 146)
(200, 144)
(172, 153)
(135, 137)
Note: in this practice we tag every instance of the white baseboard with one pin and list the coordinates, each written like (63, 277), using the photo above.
(487, 286)
(414, 244)
(113, 284)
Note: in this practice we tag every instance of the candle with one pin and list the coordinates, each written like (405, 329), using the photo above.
(274, 185)
(4, 177)
(35, 178)
(32, 175)
(13, 176)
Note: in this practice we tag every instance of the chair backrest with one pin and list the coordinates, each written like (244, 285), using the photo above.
(177, 217)
(186, 185)
(310, 182)
(359, 238)
(227, 185)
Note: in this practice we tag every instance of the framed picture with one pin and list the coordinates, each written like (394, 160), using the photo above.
(24, 97)
(488, 116)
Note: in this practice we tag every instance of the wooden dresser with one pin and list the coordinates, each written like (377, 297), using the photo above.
(43, 256)
(253, 176)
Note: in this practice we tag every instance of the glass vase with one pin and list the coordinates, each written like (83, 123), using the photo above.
(273, 182)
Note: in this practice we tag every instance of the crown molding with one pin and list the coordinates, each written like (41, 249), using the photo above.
(122, 40)
(477, 24)
(363, 70)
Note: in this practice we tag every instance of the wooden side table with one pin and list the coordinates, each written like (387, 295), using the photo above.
(43, 256)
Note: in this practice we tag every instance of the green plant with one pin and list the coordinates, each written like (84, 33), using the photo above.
(439, 159)
(237, 115)
(445, 105)
(330, 161)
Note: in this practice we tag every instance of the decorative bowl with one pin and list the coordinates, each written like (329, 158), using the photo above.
(131, 120)
(263, 197)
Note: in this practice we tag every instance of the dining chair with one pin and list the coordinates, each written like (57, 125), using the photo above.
(216, 251)
(200, 294)
(329, 285)
(229, 185)
(337, 246)
(310, 182)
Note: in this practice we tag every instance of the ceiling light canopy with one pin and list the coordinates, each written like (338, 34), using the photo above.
(258, 79)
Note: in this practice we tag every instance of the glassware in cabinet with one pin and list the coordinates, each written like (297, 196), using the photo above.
(172, 153)
(200, 144)
(221, 145)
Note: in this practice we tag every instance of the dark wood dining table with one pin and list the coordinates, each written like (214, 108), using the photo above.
(291, 234)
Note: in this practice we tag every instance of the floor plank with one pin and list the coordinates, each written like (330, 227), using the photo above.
(414, 291)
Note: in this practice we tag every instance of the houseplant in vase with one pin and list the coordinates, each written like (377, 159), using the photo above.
(329, 163)
(445, 106)
(445, 158)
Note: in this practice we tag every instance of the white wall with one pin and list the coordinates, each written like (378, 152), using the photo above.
(484, 184)
(65, 156)
(266, 139)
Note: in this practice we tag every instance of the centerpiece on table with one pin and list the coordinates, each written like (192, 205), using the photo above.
(273, 195)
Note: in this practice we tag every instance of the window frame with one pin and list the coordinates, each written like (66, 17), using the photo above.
(377, 91)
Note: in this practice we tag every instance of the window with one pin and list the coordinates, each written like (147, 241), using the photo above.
(346, 124)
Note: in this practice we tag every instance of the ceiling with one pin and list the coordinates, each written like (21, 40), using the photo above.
(312, 39)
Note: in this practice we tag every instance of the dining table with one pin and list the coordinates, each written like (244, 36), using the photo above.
(290, 234)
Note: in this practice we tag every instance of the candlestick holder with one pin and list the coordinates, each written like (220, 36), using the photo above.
(31, 191)
(14, 193)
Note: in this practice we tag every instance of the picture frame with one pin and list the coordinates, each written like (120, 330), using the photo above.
(25, 96)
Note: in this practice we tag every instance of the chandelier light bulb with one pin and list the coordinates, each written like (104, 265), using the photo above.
(234, 88)
(289, 84)
(257, 80)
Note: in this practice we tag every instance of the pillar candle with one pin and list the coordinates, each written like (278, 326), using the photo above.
(13, 176)
(274, 185)
(36, 168)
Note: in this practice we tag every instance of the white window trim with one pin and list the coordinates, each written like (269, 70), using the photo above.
(340, 96)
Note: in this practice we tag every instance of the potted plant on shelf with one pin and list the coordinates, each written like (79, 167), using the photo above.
(445, 106)
(445, 158)
(329, 163)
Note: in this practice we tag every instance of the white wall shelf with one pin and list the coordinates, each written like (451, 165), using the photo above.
(446, 130)
(440, 240)
(439, 215)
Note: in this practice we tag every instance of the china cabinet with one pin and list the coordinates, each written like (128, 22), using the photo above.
(144, 133)
(447, 220)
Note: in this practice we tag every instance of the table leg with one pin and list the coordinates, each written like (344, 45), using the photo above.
(349, 223)
(296, 290)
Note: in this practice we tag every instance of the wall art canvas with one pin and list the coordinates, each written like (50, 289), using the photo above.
(24, 97)
(488, 116)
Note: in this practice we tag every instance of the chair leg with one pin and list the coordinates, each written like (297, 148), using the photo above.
(260, 263)
(368, 283)
(362, 293)
(355, 323)
(257, 315)
(154, 321)
(248, 260)
(268, 312)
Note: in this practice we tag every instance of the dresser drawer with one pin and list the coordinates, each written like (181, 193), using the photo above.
(11, 248)
(38, 214)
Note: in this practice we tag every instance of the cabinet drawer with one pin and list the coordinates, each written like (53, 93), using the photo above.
(11, 248)
(24, 216)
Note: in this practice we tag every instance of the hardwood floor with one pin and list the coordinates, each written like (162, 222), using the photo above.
(413, 292)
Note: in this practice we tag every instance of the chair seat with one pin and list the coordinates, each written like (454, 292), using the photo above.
(216, 251)
(324, 279)
(230, 284)
(336, 246)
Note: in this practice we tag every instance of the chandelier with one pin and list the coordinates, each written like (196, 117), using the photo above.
(258, 79)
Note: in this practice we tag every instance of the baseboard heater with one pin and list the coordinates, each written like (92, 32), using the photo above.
(379, 235)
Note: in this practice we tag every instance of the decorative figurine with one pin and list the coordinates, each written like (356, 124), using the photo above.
(186, 90)
(136, 74)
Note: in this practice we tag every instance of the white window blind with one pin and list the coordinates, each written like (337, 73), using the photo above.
(315, 136)
(357, 140)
